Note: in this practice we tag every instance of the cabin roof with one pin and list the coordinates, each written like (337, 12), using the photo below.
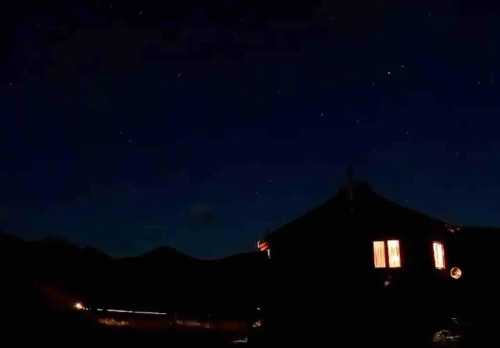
(357, 207)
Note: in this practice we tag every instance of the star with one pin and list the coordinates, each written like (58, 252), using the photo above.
(11, 84)
(389, 73)
(179, 75)
(402, 66)
(141, 12)
(322, 114)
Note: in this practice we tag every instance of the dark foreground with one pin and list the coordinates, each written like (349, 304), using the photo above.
(27, 323)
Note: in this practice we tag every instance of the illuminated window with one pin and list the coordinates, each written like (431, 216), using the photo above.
(439, 260)
(379, 254)
(393, 256)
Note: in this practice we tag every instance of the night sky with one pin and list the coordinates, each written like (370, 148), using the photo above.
(203, 124)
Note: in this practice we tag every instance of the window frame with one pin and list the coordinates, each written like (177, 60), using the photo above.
(390, 260)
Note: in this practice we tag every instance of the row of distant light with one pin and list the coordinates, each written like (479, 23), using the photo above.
(81, 307)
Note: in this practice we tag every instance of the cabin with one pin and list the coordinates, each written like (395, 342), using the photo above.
(360, 262)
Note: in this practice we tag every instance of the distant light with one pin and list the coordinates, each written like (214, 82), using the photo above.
(387, 283)
(456, 273)
(453, 229)
(134, 312)
(389, 73)
(79, 306)
(269, 253)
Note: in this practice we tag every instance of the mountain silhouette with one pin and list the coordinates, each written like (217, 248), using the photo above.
(163, 279)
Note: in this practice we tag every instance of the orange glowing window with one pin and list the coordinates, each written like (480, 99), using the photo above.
(379, 254)
(394, 253)
(439, 259)
(392, 257)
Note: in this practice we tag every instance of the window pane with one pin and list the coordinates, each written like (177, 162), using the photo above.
(394, 254)
(438, 249)
(379, 254)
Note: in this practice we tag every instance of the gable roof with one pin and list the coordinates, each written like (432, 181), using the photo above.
(357, 208)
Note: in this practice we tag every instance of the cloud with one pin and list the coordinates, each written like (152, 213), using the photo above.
(202, 214)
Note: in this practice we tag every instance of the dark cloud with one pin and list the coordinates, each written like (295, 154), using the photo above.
(202, 214)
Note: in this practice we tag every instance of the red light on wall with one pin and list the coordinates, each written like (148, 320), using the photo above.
(263, 246)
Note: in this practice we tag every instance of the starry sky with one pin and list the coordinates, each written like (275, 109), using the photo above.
(128, 125)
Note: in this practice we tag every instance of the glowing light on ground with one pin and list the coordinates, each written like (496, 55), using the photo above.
(112, 322)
